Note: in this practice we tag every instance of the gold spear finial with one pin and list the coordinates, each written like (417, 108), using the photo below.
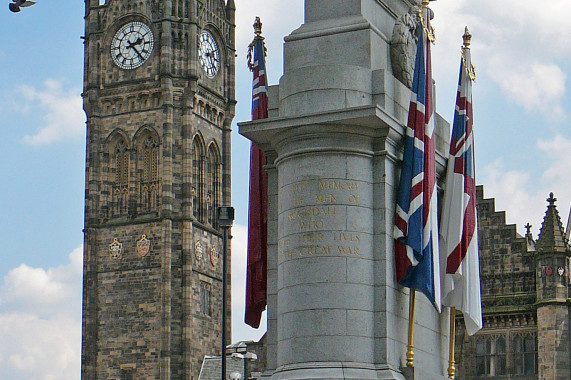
(467, 37)
(258, 27)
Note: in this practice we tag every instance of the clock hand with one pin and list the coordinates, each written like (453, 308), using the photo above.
(138, 53)
(131, 45)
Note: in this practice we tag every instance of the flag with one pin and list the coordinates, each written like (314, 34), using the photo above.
(256, 273)
(459, 228)
(416, 220)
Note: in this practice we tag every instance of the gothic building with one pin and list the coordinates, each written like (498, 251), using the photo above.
(525, 301)
(159, 97)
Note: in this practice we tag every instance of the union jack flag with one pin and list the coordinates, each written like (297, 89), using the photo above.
(459, 229)
(416, 221)
(256, 273)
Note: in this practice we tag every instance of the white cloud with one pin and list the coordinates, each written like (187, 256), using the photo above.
(516, 44)
(522, 195)
(62, 113)
(536, 86)
(40, 324)
(241, 331)
(35, 348)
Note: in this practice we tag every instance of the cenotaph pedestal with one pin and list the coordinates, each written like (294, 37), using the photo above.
(334, 145)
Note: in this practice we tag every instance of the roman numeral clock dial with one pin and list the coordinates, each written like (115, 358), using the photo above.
(132, 45)
(209, 54)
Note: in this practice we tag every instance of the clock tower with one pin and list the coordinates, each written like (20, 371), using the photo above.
(159, 97)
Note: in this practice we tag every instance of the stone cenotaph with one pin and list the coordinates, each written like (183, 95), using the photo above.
(333, 141)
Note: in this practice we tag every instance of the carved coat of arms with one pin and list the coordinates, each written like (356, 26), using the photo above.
(198, 250)
(214, 256)
(115, 249)
(143, 246)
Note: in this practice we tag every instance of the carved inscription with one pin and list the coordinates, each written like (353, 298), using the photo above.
(320, 243)
(314, 214)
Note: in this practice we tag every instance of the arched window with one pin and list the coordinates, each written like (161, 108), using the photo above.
(120, 178)
(198, 198)
(213, 182)
(149, 173)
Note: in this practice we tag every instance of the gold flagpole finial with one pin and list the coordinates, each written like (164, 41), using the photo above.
(468, 66)
(258, 31)
(467, 37)
(425, 3)
(258, 27)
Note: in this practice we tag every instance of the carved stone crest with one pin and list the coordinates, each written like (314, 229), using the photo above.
(198, 252)
(214, 256)
(549, 270)
(403, 46)
(115, 249)
(560, 271)
(143, 246)
(403, 42)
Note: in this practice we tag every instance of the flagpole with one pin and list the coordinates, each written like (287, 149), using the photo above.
(412, 298)
(410, 346)
(451, 362)
(470, 71)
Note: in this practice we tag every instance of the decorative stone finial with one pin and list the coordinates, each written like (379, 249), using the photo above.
(258, 27)
(551, 199)
(528, 228)
(467, 37)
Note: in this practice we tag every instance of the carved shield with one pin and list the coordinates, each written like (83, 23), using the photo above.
(115, 249)
(560, 271)
(549, 271)
(143, 246)
(213, 256)
(198, 250)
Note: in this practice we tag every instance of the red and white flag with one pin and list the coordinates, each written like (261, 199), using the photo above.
(256, 273)
(459, 227)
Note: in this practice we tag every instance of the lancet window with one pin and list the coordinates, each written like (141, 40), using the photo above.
(214, 184)
(205, 299)
(120, 176)
(198, 196)
(149, 173)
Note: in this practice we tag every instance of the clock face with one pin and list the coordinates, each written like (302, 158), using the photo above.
(209, 54)
(132, 45)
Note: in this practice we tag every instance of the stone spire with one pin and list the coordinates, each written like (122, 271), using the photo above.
(568, 231)
(552, 235)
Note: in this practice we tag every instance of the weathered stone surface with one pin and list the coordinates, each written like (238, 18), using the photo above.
(157, 137)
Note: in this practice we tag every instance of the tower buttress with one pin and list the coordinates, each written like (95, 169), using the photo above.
(552, 283)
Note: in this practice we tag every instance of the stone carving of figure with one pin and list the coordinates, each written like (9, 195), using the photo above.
(403, 46)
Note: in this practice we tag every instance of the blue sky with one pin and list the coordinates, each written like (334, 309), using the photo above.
(522, 126)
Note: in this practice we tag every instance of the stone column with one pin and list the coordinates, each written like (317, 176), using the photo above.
(333, 136)
(325, 254)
